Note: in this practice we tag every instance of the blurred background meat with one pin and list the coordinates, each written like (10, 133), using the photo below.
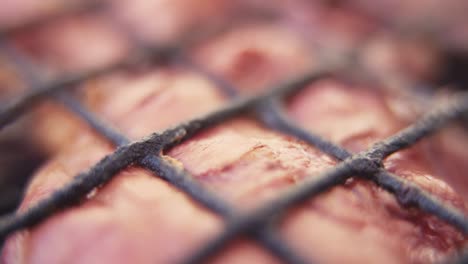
(395, 57)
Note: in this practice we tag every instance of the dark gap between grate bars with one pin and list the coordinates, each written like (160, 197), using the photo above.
(366, 164)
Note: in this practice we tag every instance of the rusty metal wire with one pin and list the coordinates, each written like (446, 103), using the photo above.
(267, 108)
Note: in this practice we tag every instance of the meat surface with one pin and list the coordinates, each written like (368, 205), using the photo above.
(139, 218)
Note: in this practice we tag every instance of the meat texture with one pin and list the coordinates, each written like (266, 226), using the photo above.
(139, 218)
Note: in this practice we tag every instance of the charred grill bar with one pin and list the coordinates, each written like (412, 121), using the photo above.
(148, 153)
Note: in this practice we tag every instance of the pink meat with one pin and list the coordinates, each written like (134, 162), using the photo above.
(138, 218)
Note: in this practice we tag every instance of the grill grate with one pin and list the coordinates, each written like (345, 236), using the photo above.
(267, 108)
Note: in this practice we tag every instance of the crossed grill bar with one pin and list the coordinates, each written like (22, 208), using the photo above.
(267, 108)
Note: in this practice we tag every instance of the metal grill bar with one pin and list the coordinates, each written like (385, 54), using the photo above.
(20, 105)
(272, 115)
(242, 105)
(129, 154)
(423, 128)
(109, 133)
(81, 185)
(24, 67)
(182, 180)
(278, 247)
(23, 103)
(31, 75)
(315, 185)
(367, 164)
(407, 193)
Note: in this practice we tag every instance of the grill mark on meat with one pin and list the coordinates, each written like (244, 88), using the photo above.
(216, 172)
(264, 160)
